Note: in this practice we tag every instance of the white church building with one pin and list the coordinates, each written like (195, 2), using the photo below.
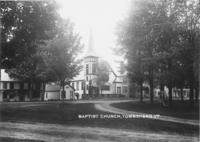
(85, 83)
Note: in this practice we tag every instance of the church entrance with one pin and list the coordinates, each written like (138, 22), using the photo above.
(93, 91)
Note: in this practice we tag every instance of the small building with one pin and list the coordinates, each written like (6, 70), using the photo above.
(16, 90)
(53, 92)
(122, 85)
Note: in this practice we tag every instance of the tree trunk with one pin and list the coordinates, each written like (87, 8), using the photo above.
(191, 92)
(100, 91)
(141, 93)
(170, 81)
(182, 97)
(151, 83)
(162, 94)
(170, 95)
(197, 95)
(43, 91)
(63, 90)
(30, 90)
(151, 91)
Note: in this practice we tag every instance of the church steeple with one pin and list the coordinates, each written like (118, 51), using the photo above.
(90, 51)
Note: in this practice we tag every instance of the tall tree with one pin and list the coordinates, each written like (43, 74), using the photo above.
(134, 37)
(162, 38)
(60, 55)
(190, 24)
(102, 74)
(29, 28)
(25, 25)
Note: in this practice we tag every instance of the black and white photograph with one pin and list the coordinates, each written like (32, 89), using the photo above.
(99, 70)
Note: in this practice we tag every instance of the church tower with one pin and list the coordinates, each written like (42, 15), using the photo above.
(90, 68)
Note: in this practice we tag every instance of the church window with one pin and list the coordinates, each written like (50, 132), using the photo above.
(94, 68)
(87, 69)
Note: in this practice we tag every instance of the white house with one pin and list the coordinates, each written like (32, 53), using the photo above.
(53, 92)
(15, 90)
(122, 84)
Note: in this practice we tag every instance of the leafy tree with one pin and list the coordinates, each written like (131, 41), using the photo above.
(32, 31)
(190, 32)
(160, 42)
(60, 55)
(133, 36)
(25, 25)
(102, 74)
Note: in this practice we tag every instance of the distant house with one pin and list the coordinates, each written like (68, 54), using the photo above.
(53, 92)
(16, 90)
(122, 84)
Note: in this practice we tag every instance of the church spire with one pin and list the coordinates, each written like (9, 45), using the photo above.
(91, 42)
(90, 51)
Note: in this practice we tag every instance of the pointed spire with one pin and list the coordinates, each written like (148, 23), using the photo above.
(91, 42)
(90, 51)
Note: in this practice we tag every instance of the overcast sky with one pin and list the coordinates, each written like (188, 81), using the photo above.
(102, 17)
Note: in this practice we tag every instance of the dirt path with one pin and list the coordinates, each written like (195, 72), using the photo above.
(106, 106)
(60, 133)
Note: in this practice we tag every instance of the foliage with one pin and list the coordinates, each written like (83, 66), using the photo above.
(102, 73)
(160, 41)
(60, 54)
(37, 44)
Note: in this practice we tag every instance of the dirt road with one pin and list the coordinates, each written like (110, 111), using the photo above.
(60, 133)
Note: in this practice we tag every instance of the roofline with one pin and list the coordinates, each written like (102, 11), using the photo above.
(76, 80)
(91, 56)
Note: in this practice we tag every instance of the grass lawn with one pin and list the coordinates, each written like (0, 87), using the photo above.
(178, 109)
(68, 115)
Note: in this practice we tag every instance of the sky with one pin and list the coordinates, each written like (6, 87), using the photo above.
(100, 16)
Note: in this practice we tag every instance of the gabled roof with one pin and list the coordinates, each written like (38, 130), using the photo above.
(50, 87)
(4, 76)
(70, 86)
